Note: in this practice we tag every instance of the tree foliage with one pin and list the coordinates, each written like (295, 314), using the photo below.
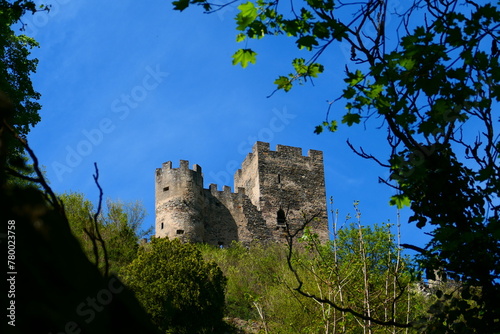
(16, 66)
(427, 71)
(181, 292)
(362, 270)
(119, 225)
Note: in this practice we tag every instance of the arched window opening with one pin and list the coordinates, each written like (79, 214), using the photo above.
(281, 218)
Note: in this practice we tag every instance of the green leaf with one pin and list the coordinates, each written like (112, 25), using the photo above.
(320, 30)
(291, 27)
(375, 91)
(299, 66)
(349, 93)
(240, 37)
(244, 56)
(180, 5)
(354, 78)
(339, 30)
(332, 126)
(304, 70)
(407, 63)
(315, 69)
(350, 119)
(400, 201)
(318, 129)
(247, 14)
(307, 42)
(283, 83)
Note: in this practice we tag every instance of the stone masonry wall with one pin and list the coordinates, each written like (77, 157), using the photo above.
(246, 223)
(269, 181)
(178, 202)
(295, 184)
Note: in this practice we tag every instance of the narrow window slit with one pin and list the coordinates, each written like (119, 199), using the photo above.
(281, 218)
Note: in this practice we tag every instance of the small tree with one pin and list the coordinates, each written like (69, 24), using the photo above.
(181, 292)
(119, 226)
(259, 290)
(360, 278)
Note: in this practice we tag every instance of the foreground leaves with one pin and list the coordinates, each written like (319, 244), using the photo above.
(16, 67)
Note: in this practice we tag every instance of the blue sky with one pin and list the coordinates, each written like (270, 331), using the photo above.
(130, 85)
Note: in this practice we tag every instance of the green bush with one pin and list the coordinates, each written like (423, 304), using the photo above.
(181, 291)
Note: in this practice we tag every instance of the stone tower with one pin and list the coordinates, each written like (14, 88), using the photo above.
(179, 194)
(274, 188)
(285, 186)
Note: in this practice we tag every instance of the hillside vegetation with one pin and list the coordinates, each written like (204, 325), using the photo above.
(358, 282)
(358, 273)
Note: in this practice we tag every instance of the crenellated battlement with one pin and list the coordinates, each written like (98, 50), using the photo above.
(315, 154)
(183, 166)
(283, 151)
(267, 181)
(213, 189)
(289, 150)
(260, 147)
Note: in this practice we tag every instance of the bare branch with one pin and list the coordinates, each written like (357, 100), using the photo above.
(365, 155)
(95, 220)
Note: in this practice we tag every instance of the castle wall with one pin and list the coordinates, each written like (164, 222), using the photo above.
(186, 211)
(295, 184)
(245, 224)
(285, 179)
(222, 223)
(268, 182)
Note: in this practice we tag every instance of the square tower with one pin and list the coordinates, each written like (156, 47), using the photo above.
(286, 187)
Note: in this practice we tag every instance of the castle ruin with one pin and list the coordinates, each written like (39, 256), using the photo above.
(273, 189)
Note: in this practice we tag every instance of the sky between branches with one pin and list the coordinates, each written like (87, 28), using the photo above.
(130, 85)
